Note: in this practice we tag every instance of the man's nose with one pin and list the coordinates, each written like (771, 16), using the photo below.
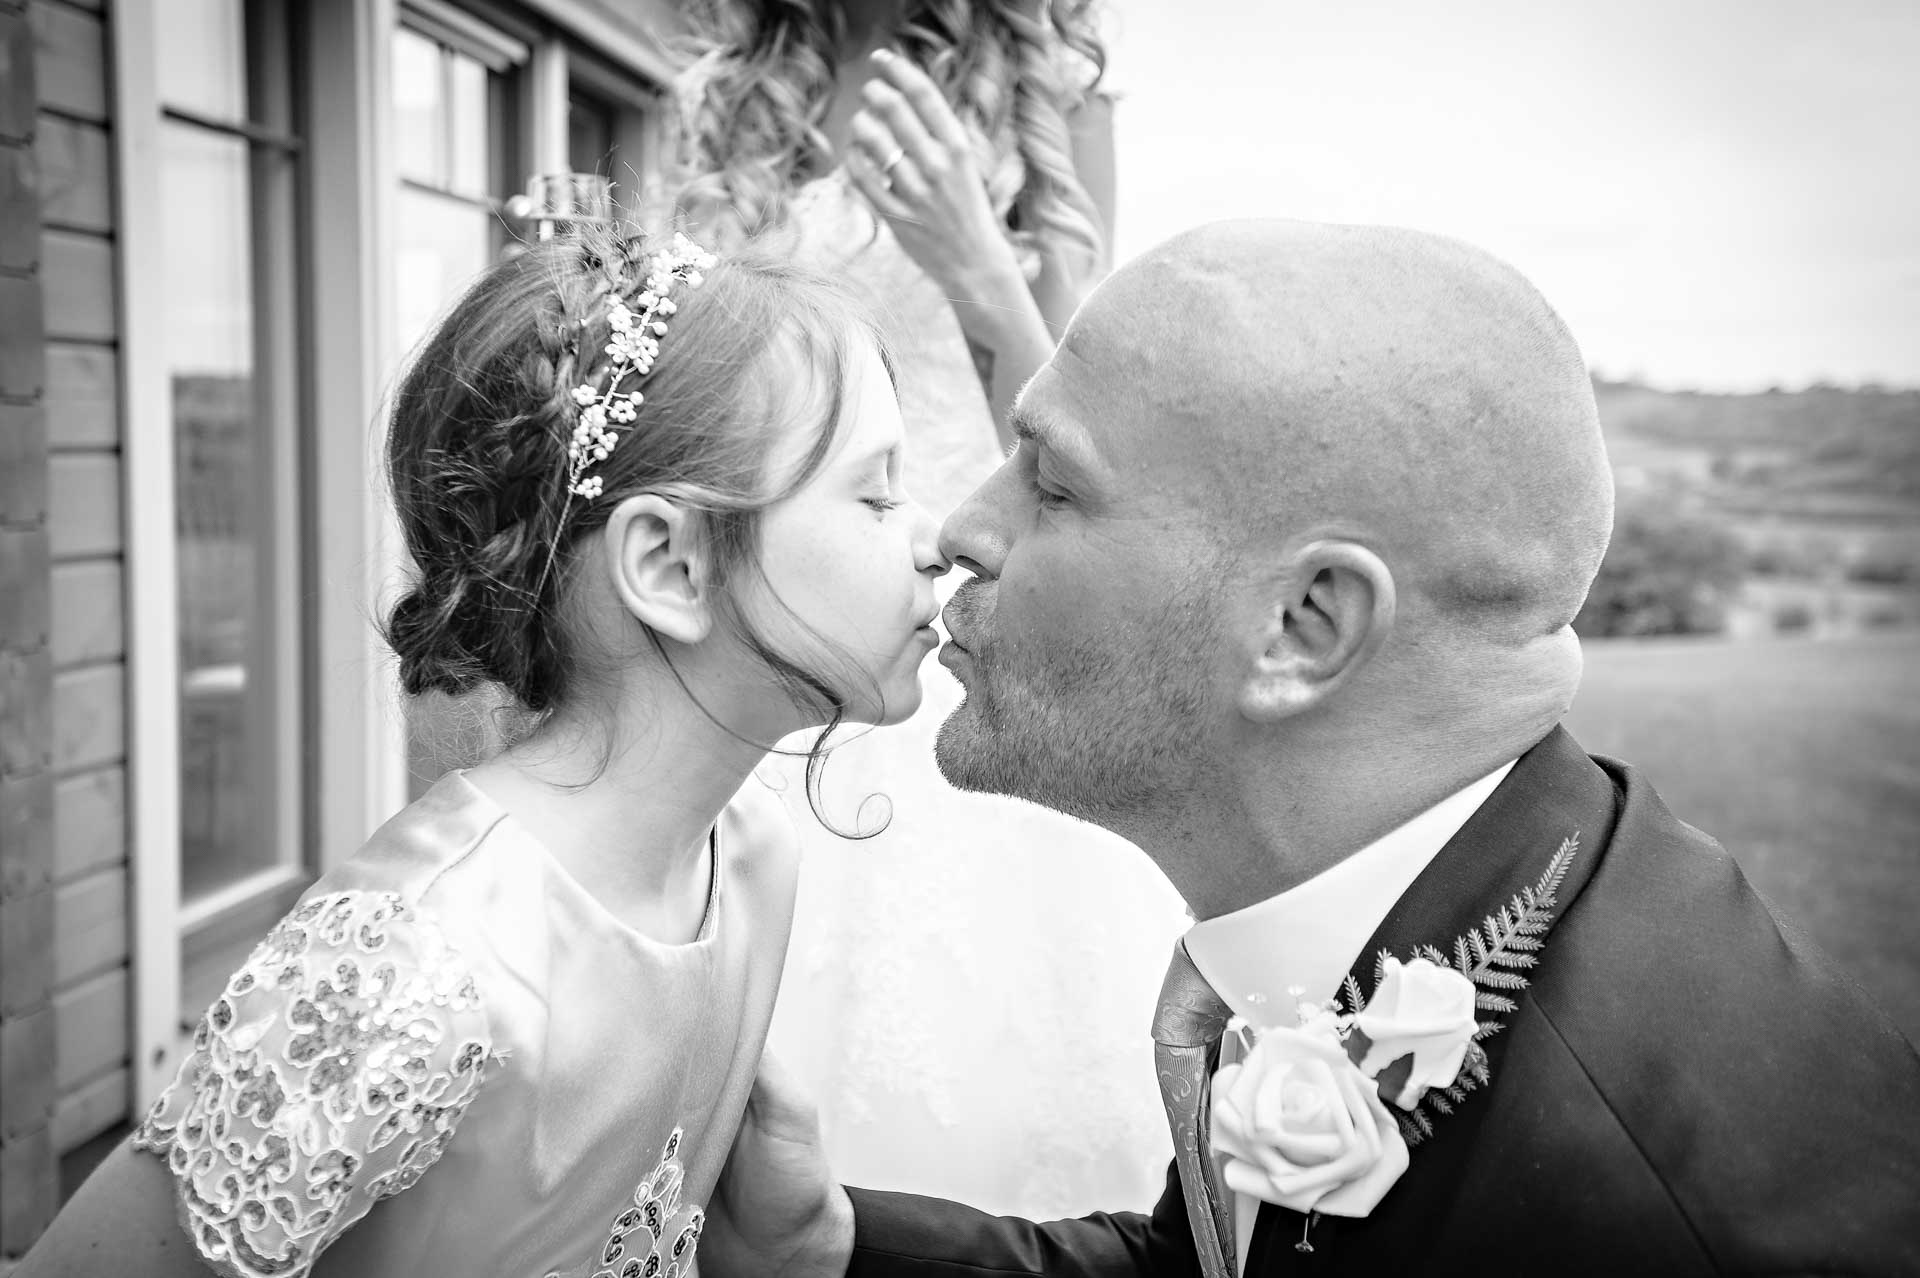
(975, 536)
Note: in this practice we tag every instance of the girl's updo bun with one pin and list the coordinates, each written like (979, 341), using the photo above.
(477, 447)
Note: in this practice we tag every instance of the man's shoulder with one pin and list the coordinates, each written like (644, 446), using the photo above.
(1708, 1040)
(1669, 931)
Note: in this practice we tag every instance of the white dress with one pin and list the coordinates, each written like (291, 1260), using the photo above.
(967, 995)
(450, 1059)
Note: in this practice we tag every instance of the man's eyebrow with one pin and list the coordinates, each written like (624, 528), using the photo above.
(1064, 441)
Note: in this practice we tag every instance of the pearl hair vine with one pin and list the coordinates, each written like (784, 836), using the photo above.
(633, 345)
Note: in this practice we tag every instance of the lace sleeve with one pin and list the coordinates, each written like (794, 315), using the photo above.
(330, 1074)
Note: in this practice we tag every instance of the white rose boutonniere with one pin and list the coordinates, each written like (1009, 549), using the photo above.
(1303, 1118)
(1302, 1126)
(1422, 1010)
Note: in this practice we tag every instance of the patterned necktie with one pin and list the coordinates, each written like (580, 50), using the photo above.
(1186, 1032)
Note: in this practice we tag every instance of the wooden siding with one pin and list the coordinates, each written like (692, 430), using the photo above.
(70, 59)
(82, 395)
(89, 622)
(76, 185)
(89, 822)
(85, 617)
(28, 1091)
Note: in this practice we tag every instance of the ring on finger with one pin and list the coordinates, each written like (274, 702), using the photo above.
(887, 165)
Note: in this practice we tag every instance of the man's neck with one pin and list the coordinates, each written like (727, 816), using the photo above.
(1283, 822)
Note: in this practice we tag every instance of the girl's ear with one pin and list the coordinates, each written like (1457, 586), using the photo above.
(657, 563)
(1334, 608)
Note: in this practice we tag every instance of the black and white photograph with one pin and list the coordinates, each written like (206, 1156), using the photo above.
(959, 638)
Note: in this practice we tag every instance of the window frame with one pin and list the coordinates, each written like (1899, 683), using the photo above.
(179, 948)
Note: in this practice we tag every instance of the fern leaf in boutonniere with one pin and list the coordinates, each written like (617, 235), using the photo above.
(1496, 957)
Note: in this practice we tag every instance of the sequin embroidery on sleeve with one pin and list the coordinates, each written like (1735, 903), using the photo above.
(329, 1074)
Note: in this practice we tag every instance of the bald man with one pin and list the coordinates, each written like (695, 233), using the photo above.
(1278, 585)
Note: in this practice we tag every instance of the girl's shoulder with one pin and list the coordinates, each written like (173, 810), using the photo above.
(335, 1065)
(760, 843)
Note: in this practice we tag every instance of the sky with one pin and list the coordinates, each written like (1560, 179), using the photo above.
(1720, 194)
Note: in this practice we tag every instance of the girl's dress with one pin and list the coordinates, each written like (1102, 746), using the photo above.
(450, 1059)
(968, 995)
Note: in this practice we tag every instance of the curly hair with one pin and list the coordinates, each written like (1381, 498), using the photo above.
(477, 452)
(754, 103)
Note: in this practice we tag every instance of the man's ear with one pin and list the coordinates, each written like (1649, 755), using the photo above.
(656, 560)
(1335, 610)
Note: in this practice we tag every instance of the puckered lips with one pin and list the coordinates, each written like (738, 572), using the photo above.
(953, 632)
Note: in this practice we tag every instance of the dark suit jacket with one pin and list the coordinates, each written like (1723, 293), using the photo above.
(1688, 1087)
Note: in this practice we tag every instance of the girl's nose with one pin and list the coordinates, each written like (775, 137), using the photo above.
(928, 557)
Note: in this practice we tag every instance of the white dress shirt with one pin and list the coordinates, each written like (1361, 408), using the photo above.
(1266, 959)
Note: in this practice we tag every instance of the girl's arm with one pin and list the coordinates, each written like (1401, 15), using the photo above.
(121, 1221)
(912, 160)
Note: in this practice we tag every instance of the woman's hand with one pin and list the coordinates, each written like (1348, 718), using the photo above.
(777, 1211)
(911, 158)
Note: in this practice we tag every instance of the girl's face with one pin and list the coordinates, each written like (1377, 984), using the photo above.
(850, 560)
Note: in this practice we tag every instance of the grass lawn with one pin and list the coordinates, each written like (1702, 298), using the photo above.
(1802, 756)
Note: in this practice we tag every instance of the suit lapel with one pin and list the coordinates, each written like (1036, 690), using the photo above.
(1554, 791)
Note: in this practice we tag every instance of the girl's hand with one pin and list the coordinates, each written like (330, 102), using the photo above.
(911, 158)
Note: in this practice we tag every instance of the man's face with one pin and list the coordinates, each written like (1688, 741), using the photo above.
(1087, 640)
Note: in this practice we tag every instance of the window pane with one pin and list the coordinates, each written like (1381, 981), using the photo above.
(227, 741)
(589, 135)
(470, 153)
(203, 51)
(439, 246)
(419, 108)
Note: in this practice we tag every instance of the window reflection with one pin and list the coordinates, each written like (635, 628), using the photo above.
(222, 453)
(439, 246)
(202, 50)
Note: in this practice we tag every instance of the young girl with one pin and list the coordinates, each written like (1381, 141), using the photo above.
(657, 500)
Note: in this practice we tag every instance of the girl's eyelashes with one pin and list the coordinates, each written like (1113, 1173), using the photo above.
(882, 504)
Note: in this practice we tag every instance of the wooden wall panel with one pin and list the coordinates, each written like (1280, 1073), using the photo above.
(23, 568)
(26, 952)
(89, 926)
(76, 276)
(26, 1063)
(89, 822)
(75, 174)
(22, 337)
(82, 1114)
(70, 59)
(27, 854)
(83, 393)
(26, 711)
(83, 505)
(18, 101)
(90, 1029)
(88, 612)
(89, 717)
(19, 201)
(23, 472)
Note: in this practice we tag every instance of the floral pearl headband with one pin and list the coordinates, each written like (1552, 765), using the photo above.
(631, 349)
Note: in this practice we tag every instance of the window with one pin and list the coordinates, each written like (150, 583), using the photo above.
(592, 126)
(229, 167)
(456, 125)
(451, 146)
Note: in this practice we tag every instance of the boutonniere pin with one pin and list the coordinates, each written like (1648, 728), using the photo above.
(1318, 1117)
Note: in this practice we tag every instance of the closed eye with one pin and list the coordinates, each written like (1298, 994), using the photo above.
(882, 504)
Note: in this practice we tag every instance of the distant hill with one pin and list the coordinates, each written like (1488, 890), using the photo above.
(1823, 450)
